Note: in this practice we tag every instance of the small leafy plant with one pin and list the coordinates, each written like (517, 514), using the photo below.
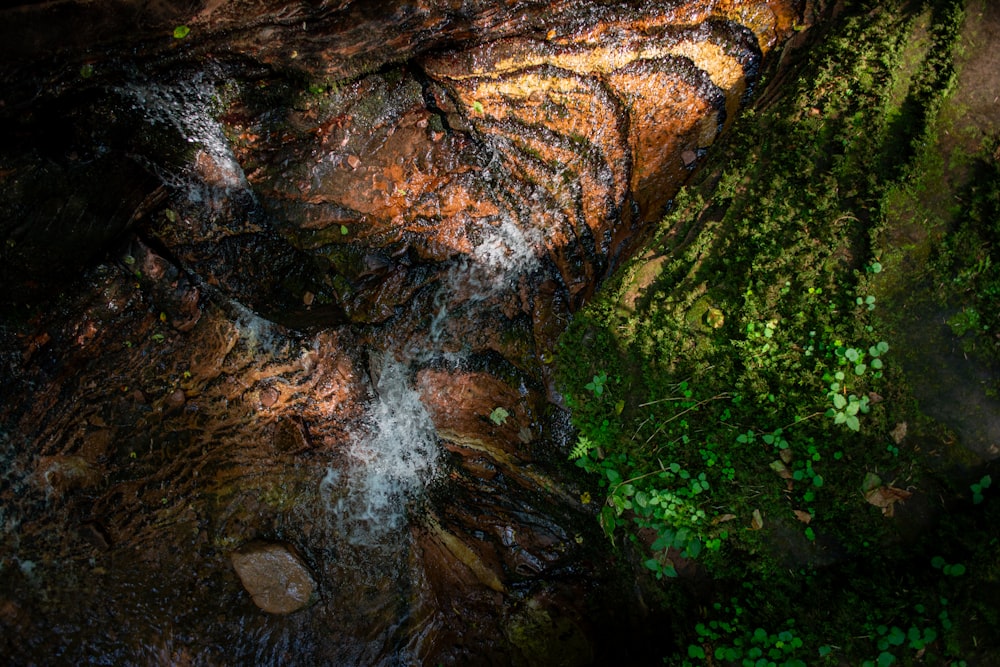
(597, 384)
(499, 416)
(979, 487)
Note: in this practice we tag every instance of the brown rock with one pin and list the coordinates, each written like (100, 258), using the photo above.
(65, 473)
(175, 401)
(276, 578)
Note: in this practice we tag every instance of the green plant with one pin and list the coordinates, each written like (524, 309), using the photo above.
(965, 321)
(978, 488)
(499, 416)
(597, 384)
(949, 569)
(181, 31)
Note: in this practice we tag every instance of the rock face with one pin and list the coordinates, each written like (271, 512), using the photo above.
(276, 202)
(277, 579)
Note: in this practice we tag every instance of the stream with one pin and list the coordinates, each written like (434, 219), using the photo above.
(313, 323)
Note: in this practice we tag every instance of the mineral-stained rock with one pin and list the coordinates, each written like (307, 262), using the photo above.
(65, 473)
(290, 190)
(275, 577)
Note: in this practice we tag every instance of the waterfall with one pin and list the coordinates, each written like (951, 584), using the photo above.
(388, 463)
(184, 109)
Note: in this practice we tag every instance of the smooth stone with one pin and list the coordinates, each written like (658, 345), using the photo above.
(276, 578)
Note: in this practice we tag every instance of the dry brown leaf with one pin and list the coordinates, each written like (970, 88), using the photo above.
(781, 469)
(804, 517)
(757, 522)
(786, 454)
(899, 432)
(885, 497)
(723, 518)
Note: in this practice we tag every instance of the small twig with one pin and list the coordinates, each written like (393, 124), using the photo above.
(684, 412)
(807, 417)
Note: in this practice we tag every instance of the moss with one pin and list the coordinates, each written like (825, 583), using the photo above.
(813, 219)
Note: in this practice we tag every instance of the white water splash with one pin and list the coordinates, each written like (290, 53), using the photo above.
(389, 465)
(507, 251)
(186, 108)
(396, 458)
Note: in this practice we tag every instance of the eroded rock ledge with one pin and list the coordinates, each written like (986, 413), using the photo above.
(247, 225)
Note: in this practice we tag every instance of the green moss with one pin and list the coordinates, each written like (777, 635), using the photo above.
(743, 441)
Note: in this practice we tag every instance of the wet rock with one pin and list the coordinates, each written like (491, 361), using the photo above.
(545, 637)
(96, 534)
(174, 401)
(268, 397)
(276, 578)
(63, 473)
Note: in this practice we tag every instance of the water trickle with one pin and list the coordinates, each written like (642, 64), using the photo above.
(396, 456)
(184, 109)
(507, 251)
(388, 464)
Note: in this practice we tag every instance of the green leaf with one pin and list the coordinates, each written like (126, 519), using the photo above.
(662, 542)
(853, 423)
(693, 548)
(181, 31)
(343, 230)
(499, 416)
(839, 401)
(696, 652)
(885, 659)
(860, 369)
(956, 570)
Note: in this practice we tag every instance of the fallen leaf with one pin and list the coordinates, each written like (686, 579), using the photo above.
(723, 518)
(886, 497)
(899, 432)
(786, 454)
(757, 522)
(781, 469)
(804, 517)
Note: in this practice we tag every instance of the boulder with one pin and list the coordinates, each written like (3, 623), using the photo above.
(276, 578)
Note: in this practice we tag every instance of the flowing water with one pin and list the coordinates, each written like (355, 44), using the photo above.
(332, 331)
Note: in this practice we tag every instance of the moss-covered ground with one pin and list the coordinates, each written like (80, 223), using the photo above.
(785, 401)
